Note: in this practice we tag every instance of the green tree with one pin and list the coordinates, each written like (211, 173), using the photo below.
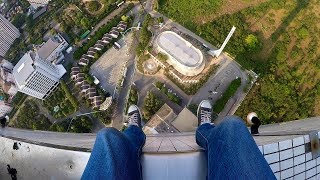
(303, 32)
(252, 42)
(85, 23)
(93, 6)
(125, 18)
(152, 104)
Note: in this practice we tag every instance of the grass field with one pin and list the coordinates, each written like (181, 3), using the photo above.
(287, 55)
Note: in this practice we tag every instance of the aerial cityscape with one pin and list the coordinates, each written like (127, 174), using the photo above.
(76, 73)
(79, 66)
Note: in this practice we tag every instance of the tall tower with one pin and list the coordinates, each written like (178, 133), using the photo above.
(217, 53)
(37, 77)
(8, 33)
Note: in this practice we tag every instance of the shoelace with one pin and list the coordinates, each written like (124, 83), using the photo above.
(205, 116)
(134, 118)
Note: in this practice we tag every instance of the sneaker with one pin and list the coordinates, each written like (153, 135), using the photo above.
(134, 116)
(204, 112)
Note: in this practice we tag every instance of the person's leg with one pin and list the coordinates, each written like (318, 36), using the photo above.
(116, 155)
(202, 134)
(204, 120)
(233, 154)
(136, 137)
(112, 157)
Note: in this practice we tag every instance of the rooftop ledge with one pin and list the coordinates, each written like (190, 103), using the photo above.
(64, 155)
(171, 142)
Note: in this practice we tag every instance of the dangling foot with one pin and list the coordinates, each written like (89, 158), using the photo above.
(134, 116)
(204, 112)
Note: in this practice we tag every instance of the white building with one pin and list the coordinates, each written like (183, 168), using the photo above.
(38, 3)
(8, 33)
(5, 108)
(52, 49)
(183, 56)
(35, 76)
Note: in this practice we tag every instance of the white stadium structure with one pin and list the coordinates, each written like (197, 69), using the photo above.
(183, 56)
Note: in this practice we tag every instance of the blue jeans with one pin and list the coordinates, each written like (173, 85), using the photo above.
(232, 152)
(116, 155)
(229, 147)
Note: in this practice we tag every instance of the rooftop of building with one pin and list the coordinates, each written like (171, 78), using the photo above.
(186, 121)
(159, 122)
(24, 68)
(48, 47)
(183, 51)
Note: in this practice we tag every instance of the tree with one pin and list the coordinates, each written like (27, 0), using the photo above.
(125, 18)
(252, 42)
(85, 23)
(162, 57)
(303, 33)
(159, 84)
(152, 104)
(19, 20)
(81, 124)
(93, 6)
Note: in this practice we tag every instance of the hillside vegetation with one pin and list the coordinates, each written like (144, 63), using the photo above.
(279, 40)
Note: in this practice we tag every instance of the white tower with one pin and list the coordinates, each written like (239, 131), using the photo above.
(217, 52)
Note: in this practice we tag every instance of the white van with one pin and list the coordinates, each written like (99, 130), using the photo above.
(116, 45)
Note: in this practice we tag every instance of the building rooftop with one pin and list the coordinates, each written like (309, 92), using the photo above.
(24, 68)
(180, 49)
(186, 121)
(160, 122)
(47, 48)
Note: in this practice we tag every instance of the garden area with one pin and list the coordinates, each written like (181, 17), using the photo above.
(93, 6)
(277, 39)
(61, 103)
(30, 118)
(152, 103)
(218, 106)
(81, 124)
(133, 98)
(193, 88)
(168, 92)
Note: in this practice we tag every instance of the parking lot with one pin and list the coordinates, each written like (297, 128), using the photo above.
(109, 67)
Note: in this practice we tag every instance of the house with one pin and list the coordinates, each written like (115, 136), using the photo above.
(114, 34)
(84, 87)
(91, 54)
(98, 47)
(74, 71)
(96, 101)
(83, 62)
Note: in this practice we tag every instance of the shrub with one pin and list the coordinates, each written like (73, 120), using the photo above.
(232, 88)
(93, 6)
(68, 94)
